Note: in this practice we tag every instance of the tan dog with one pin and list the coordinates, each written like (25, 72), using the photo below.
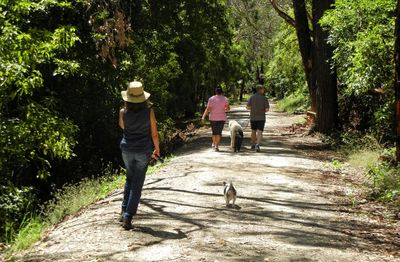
(236, 135)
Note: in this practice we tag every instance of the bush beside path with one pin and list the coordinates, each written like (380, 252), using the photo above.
(291, 206)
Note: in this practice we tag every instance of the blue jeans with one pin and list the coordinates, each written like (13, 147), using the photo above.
(136, 164)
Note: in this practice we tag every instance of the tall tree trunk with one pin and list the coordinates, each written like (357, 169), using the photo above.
(323, 77)
(241, 90)
(397, 81)
(305, 44)
(316, 54)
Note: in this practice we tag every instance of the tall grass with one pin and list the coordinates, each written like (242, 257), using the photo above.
(67, 201)
(293, 103)
(383, 174)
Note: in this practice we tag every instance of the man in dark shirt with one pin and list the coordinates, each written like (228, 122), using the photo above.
(258, 106)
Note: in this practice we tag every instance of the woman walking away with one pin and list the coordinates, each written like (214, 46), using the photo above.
(217, 106)
(139, 144)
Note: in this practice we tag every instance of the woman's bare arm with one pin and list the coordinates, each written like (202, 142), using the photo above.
(206, 111)
(154, 134)
(121, 118)
(227, 108)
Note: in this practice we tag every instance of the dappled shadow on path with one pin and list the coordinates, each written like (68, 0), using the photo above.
(271, 146)
(283, 194)
(312, 230)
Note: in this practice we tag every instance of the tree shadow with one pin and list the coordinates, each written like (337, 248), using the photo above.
(179, 234)
(316, 231)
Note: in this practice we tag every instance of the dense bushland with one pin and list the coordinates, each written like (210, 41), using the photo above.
(362, 35)
(62, 67)
(63, 64)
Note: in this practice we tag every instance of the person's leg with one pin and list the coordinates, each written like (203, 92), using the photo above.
(260, 129)
(253, 137)
(213, 126)
(128, 159)
(140, 169)
(253, 134)
(217, 140)
(259, 136)
(218, 132)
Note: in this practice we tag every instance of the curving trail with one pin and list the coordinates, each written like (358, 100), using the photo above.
(288, 209)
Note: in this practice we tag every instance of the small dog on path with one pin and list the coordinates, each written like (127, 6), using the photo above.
(229, 193)
(236, 135)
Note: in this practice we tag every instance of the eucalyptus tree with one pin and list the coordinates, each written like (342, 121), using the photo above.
(316, 56)
(254, 27)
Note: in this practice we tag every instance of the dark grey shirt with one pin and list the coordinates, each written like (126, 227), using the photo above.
(258, 104)
(137, 131)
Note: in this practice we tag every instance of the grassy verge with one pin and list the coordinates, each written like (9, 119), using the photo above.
(293, 103)
(68, 201)
(377, 163)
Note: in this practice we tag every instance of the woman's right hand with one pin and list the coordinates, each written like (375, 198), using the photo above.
(156, 154)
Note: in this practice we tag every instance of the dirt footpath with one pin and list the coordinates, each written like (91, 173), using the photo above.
(287, 209)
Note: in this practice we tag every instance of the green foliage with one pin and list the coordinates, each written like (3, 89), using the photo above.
(71, 198)
(254, 24)
(67, 201)
(294, 102)
(352, 141)
(30, 231)
(386, 181)
(63, 64)
(284, 73)
(14, 202)
(364, 151)
(364, 157)
(32, 132)
(362, 33)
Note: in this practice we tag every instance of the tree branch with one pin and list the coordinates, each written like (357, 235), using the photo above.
(282, 14)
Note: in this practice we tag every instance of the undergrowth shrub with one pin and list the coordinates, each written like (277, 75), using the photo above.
(385, 181)
(66, 201)
(365, 151)
(15, 203)
(294, 103)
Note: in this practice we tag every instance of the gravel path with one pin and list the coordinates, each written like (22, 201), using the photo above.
(286, 209)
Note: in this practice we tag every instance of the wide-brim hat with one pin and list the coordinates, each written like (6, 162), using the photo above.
(135, 93)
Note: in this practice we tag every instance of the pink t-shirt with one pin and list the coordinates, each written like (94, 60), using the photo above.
(217, 105)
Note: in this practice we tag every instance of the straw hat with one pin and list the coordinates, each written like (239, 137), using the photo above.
(135, 93)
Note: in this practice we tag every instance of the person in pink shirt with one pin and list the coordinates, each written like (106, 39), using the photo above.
(217, 107)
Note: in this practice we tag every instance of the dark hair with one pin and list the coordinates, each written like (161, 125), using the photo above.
(136, 107)
(218, 91)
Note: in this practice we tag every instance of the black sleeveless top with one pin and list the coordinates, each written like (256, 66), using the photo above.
(137, 132)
